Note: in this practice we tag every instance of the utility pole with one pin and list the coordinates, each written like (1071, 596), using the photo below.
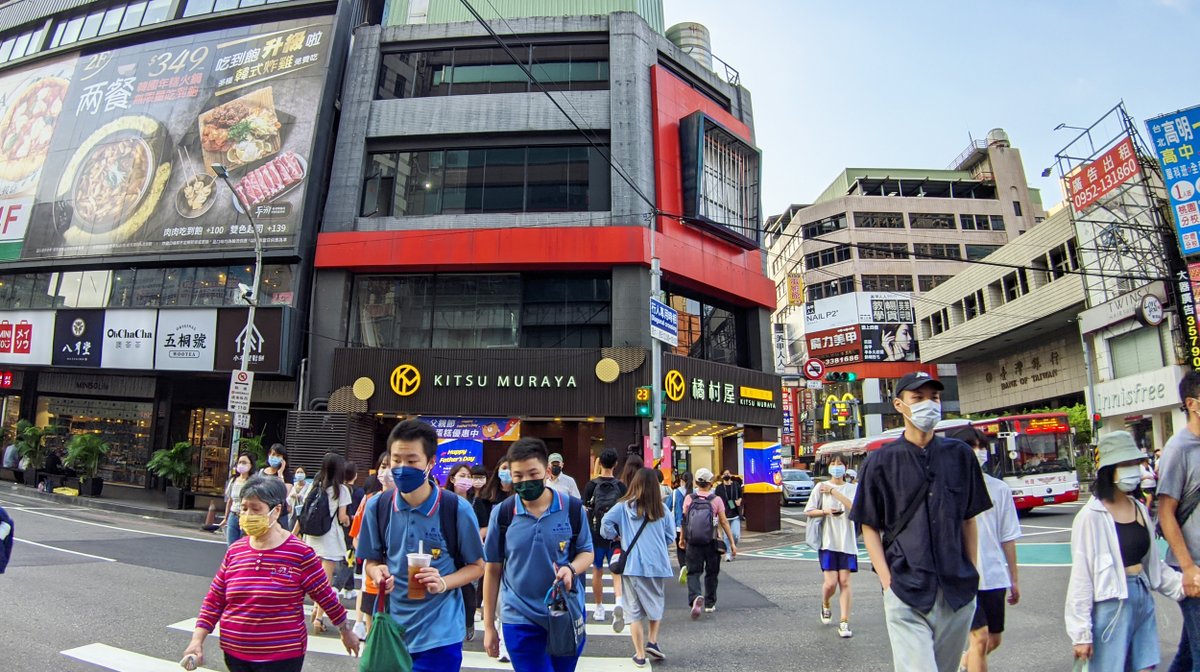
(251, 298)
(656, 373)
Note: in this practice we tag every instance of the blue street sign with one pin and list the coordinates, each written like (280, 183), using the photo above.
(1174, 139)
(664, 323)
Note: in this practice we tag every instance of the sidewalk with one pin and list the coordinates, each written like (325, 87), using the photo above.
(123, 499)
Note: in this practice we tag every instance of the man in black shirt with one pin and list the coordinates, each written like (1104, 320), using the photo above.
(730, 492)
(917, 500)
(599, 496)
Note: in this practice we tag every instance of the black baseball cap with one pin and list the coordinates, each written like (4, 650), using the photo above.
(912, 381)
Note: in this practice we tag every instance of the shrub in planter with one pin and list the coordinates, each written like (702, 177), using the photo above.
(31, 445)
(175, 465)
(84, 454)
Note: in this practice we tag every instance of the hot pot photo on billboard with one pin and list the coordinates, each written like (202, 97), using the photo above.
(129, 167)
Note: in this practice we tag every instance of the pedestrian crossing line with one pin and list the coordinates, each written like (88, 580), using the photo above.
(120, 660)
(473, 660)
(593, 628)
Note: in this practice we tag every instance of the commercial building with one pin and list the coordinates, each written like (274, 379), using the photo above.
(1011, 327)
(851, 270)
(122, 254)
(481, 264)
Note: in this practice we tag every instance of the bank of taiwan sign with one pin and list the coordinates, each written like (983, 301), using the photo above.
(1175, 142)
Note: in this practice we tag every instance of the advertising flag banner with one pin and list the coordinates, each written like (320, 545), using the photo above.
(1174, 139)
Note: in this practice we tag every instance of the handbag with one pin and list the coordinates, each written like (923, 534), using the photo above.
(565, 626)
(617, 564)
(385, 650)
(812, 531)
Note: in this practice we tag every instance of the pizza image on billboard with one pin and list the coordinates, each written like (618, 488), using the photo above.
(28, 127)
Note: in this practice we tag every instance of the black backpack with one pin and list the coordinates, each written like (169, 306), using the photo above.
(699, 520)
(316, 518)
(605, 494)
(508, 509)
(447, 519)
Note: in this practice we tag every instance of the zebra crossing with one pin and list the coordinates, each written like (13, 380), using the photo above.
(324, 649)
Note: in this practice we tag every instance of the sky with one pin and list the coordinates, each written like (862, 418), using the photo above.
(907, 84)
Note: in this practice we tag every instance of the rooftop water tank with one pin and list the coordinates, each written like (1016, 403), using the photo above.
(998, 136)
(693, 38)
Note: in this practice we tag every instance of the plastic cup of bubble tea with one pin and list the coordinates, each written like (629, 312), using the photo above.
(417, 562)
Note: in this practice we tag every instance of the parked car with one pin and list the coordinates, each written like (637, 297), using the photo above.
(797, 486)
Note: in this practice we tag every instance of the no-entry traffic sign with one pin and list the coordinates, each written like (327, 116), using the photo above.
(241, 386)
(814, 369)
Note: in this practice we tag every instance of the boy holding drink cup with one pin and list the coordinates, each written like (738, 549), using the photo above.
(422, 547)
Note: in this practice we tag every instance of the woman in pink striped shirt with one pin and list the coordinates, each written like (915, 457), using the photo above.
(258, 593)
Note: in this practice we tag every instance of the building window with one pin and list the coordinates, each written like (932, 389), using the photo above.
(887, 283)
(882, 251)
(1063, 259)
(708, 331)
(981, 222)
(973, 305)
(498, 179)
(472, 70)
(977, 252)
(936, 251)
(22, 44)
(826, 225)
(927, 282)
(1010, 287)
(827, 256)
(1136, 352)
(939, 321)
(1017, 208)
(879, 220)
(835, 287)
(566, 312)
(920, 220)
(122, 16)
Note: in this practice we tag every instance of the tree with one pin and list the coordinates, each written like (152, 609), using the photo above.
(174, 464)
(1079, 419)
(31, 443)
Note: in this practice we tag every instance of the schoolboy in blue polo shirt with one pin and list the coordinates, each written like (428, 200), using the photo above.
(525, 559)
(435, 626)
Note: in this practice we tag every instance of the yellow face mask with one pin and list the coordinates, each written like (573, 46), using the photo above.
(254, 524)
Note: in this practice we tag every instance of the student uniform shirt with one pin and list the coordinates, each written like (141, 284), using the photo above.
(438, 620)
(532, 549)
(998, 525)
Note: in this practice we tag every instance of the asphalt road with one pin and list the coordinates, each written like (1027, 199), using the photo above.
(109, 587)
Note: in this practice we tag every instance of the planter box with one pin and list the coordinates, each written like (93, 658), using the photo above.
(92, 487)
(180, 499)
(29, 476)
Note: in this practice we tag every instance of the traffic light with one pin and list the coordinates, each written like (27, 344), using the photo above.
(841, 377)
(642, 408)
(1097, 422)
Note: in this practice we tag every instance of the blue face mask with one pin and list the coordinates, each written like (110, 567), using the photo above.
(275, 461)
(298, 478)
(837, 471)
(505, 477)
(408, 479)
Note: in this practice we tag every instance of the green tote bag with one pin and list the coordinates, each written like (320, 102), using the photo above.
(385, 650)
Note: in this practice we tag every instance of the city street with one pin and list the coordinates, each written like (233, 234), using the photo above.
(119, 591)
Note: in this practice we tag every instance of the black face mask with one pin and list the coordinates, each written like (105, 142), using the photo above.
(556, 470)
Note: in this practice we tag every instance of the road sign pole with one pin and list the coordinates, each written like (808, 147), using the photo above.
(656, 374)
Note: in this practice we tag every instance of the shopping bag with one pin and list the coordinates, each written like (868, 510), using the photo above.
(565, 627)
(812, 533)
(385, 650)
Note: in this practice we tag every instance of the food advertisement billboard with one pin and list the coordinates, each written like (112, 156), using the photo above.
(127, 167)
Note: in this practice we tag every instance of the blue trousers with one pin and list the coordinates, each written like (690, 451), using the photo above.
(527, 650)
(441, 659)
(1187, 659)
(233, 530)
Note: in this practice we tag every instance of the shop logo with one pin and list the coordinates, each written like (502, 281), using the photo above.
(406, 380)
(674, 385)
(78, 327)
(17, 339)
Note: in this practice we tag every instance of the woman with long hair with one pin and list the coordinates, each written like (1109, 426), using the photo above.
(683, 488)
(838, 550)
(498, 488)
(331, 546)
(374, 486)
(458, 480)
(233, 495)
(646, 532)
(633, 464)
(1114, 566)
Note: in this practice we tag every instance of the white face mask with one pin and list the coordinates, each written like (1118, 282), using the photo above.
(981, 455)
(925, 414)
(1128, 478)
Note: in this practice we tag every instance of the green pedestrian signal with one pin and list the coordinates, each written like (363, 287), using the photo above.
(841, 377)
(642, 408)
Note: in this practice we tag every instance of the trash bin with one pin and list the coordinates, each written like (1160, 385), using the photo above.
(760, 511)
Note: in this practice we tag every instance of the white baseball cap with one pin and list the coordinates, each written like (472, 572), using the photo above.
(704, 475)
(555, 457)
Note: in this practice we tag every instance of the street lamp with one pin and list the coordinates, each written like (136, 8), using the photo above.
(1074, 128)
(1086, 131)
(249, 294)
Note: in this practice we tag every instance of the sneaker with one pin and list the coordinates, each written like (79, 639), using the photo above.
(618, 618)
(683, 576)
(360, 629)
(654, 652)
(826, 615)
(471, 633)
(708, 609)
(697, 605)
(844, 630)
(639, 662)
(601, 614)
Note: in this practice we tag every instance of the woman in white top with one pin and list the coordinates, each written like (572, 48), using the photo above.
(233, 497)
(331, 546)
(1114, 565)
(839, 543)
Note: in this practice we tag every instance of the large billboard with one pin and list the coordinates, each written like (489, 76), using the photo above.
(112, 149)
(1098, 178)
(1174, 138)
(859, 308)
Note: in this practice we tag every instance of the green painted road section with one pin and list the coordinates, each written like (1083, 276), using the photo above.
(1028, 555)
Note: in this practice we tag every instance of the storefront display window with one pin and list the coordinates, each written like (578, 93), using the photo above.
(125, 425)
(212, 430)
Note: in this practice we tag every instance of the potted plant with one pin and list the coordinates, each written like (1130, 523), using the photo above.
(84, 453)
(31, 445)
(175, 465)
(254, 446)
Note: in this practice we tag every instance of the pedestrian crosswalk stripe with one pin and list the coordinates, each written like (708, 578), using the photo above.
(471, 659)
(120, 660)
(594, 629)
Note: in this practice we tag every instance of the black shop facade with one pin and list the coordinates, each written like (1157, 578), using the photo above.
(578, 400)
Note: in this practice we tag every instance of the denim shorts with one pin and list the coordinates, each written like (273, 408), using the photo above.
(1125, 632)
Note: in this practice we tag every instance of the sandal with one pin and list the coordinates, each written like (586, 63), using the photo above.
(318, 624)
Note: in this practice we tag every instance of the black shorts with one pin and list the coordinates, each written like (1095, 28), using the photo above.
(989, 610)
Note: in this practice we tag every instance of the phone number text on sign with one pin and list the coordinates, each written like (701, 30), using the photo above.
(1095, 180)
